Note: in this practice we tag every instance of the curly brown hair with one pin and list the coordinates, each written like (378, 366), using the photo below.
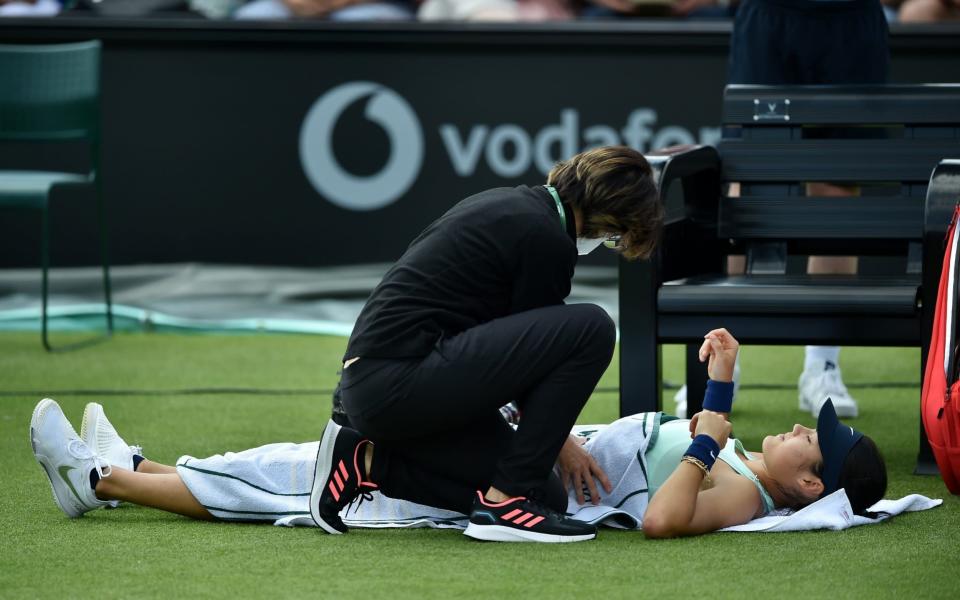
(613, 189)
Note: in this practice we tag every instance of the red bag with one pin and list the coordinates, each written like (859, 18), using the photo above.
(940, 404)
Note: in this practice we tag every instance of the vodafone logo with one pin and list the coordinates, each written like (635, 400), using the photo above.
(389, 111)
(507, 150)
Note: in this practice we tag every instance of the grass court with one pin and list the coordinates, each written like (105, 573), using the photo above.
(206, 394)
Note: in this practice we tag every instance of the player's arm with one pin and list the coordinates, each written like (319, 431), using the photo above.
(679, 508)
(719, 350)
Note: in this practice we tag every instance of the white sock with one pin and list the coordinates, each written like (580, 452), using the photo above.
(818, 356)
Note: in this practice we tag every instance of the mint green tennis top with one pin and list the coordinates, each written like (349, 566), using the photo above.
(672, 439)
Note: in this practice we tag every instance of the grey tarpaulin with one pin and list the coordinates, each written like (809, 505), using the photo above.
(206, 297)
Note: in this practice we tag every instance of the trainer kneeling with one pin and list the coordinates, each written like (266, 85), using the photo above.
(469, 319)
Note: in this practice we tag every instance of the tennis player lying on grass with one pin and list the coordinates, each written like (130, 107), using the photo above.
(645, 463)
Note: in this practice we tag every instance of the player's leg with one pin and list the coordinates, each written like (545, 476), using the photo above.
(155, 468)
(82, 480)
(102, 437)
(163, 491)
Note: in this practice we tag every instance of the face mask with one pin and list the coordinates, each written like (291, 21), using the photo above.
(587, 245)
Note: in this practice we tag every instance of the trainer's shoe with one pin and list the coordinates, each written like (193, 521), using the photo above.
(681, 396)
(816, 386)
(100, 435)
(66, 460)
(523, 520)
(338, 478)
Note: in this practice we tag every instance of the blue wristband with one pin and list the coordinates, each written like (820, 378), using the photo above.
(705, 449)
(719, 396)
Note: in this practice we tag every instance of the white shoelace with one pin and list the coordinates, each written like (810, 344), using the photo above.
(834, 384)
(79, 450)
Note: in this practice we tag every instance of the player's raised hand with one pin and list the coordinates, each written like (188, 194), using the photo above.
(720, 348)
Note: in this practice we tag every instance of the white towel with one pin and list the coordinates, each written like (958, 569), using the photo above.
(834, 512)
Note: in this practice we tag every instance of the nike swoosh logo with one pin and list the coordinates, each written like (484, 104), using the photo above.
(63, 472)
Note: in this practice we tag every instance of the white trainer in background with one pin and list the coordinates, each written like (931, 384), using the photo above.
(100, 435)
(681, 396)
(66, 459)
(818, 384)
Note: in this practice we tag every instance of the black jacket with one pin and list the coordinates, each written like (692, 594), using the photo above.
(500, 252)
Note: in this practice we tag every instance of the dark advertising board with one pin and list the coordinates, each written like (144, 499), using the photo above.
(294, 147)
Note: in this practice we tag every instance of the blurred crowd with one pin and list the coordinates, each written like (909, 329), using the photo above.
(904, 11)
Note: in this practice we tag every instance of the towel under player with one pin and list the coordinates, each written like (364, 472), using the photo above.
(470, 318)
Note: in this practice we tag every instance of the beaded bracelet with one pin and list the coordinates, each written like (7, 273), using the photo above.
(699, 464)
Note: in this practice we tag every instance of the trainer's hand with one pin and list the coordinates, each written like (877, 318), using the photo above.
(713, 424)
(721, 349)
(578, 469)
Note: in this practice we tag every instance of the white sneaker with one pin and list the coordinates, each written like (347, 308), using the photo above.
(101, 436)
(681, 396)
(815, 386)
(66, 459)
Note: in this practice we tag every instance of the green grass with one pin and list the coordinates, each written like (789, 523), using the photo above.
(137, 552)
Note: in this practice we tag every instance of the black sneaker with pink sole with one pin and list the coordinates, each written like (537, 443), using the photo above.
(522, 519)
(338, 479)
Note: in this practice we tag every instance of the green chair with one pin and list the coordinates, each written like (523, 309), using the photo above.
(51, 93)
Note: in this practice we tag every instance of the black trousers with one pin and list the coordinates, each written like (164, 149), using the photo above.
(435, 421)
